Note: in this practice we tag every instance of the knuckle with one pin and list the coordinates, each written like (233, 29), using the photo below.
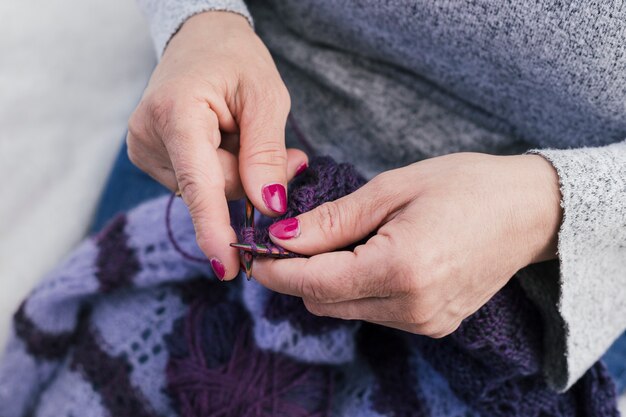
(311, 290)
(444, 331)
(168, 115)
(405, 280)
(267, 153)
(419, 314)
(314, 308)
(136, 157)
(133, 154)
(453, 328)
(161, 107)
(136, 125)
(329, 218)
(434, 263)
(432, 329)
(440, 334)
(282, 98)
(379, 180)
(271, 95)
(191, 197)
(202, 240)
(191, 190)
(380, 184)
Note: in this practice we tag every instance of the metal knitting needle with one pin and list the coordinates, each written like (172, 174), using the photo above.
(262, 250)
(248, 222)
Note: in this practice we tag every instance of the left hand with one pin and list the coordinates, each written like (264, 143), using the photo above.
(450, 232)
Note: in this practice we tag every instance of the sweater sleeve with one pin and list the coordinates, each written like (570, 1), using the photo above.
(584, 303)
(165, 17)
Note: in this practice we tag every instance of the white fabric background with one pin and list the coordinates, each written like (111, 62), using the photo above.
(70, 74)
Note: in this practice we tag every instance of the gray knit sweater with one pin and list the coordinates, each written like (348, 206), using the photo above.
(386, 83)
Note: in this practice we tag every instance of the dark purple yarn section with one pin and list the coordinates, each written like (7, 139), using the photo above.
(208, 291)
(117, 263)
(281, 306)
(493, 363)
(388, 355)
(108, 375)
(598, 388)
(324, 180)
(216, 369)
(39, 343)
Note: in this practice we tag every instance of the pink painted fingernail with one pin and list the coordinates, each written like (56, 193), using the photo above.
(301, 168)
(218, 268)
(285, 229)
(275, 197)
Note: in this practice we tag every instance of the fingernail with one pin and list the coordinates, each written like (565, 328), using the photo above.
(218, 268)
(275, 197)
(285, 229)
(301, 168)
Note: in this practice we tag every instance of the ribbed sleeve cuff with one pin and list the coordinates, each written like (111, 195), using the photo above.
(165, 17)
(583, 297)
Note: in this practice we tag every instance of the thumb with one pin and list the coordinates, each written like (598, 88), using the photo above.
(334, 224)
(262, 153)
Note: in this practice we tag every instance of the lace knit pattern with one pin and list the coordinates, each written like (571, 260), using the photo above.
(125, 326)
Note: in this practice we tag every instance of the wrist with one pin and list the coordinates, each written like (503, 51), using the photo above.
(218, 19)
(210, 26)
(544, 204)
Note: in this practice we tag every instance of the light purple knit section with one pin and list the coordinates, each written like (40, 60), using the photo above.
(70, 395)
(53, 305)
(147, 316)
(336, 346)
(148, 237)
(18, 393)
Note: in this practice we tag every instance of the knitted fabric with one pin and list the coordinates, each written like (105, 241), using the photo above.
(126, 326)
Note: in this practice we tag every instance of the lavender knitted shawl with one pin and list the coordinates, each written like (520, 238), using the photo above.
(126, 326)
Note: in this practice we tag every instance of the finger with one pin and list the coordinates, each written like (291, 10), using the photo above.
(326, 278)
(334, 224)
(368, 309)
(153, 162)
(390, 312)
(405, 327)
(262, 154)
(297, 162)
(230, 168)
(434, 330)
(191, 141)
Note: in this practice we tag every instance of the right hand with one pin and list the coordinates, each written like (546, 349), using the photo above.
(211, 123)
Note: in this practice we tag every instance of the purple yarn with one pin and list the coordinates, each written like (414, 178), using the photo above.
(237, 349)
(216, 369)
(116, 264)
(108, 375)
(39, 343)
(172, 239)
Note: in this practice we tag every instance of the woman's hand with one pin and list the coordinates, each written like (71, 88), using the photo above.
(216, 108)
(450, 232)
